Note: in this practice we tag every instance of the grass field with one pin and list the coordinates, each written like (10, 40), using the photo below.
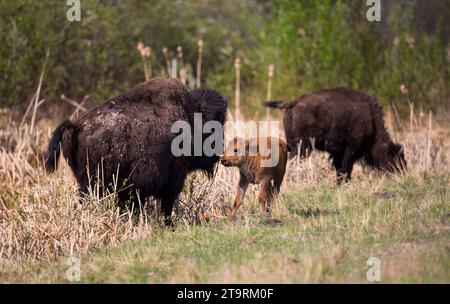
(318, 232)
(323, 234)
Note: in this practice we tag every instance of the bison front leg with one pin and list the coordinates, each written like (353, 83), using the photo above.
(171, 193)
(340, 163)
(344, 174)
(242, 188)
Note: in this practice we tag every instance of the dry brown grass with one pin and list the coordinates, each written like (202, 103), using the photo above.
(41, 218)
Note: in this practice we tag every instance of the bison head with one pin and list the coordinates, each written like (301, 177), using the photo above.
(388, 157)
(213, 107)
(211, 104)
(396, 157)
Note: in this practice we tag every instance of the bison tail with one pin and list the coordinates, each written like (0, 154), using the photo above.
(51, 161)
(276, 105)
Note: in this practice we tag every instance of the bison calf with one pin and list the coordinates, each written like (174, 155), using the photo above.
(260, 161)
(344, 122)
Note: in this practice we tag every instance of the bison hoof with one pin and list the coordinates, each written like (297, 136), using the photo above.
(169, 222)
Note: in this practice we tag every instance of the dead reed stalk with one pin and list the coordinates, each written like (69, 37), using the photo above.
(145, 52)
(269, 88)
(183, 74)
(237, 105)
(167, 59)
(199, 64)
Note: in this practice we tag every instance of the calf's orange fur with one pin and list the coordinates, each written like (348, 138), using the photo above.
(261, 161)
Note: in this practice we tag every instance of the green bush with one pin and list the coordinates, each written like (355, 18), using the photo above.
(318, 44)
(98, 55)
(314, 44)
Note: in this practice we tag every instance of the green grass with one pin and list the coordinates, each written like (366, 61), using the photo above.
(325, 234)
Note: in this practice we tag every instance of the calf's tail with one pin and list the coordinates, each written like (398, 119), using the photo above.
(51, 160)
(276, 105)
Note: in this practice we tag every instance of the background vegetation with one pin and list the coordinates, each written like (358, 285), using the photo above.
(313, 44)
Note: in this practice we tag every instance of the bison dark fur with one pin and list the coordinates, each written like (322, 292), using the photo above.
(346, 123)
(126, 142)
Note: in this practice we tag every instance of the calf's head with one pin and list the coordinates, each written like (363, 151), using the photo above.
(234, 152)
(256, 151)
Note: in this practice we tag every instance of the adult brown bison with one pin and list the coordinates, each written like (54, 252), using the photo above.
(346, 123)
(127, 141)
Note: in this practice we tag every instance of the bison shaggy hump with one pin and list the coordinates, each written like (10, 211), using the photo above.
(346, 123)
(127, 141)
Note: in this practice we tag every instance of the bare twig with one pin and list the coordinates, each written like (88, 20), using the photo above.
(77, 105)
(174, 68)
(30, 105)
(35, 102)
(397, 117)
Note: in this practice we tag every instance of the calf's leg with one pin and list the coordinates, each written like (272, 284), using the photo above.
(277, 181)
(265, 196)
(242, 188)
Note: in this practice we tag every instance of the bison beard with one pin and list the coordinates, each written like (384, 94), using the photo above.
(346, 123)
(127, 141)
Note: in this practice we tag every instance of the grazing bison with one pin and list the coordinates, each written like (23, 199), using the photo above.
(346, 123)
(127, 141)
(253, 171)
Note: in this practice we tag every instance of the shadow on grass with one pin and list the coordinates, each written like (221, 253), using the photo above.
(312, 212)
(271, 222)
